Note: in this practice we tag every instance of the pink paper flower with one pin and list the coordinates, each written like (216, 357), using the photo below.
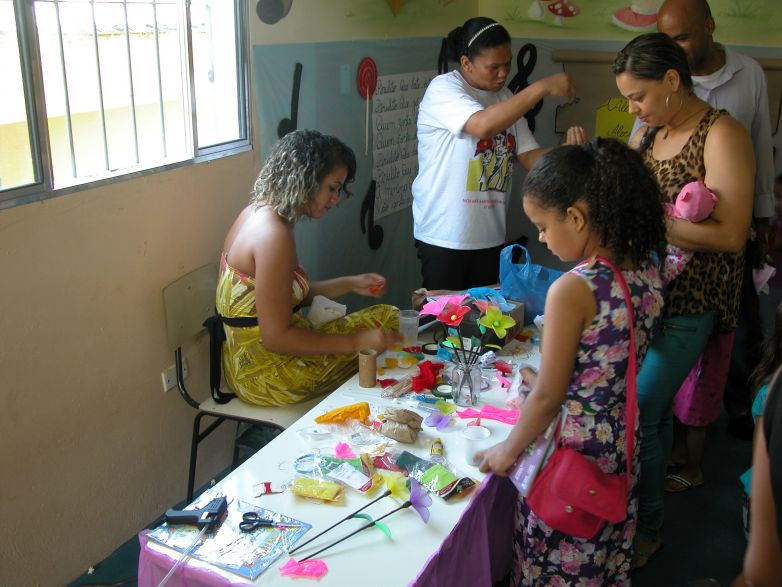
(436, 306)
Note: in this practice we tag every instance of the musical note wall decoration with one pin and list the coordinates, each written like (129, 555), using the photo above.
(525, 64)
(290, 124)
(374, 233)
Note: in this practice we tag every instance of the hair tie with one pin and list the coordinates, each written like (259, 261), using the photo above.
(480, 32)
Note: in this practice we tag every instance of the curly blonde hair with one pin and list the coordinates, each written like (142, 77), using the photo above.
(296, 165)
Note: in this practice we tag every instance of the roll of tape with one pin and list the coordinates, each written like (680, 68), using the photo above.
(443, 391)
(430, 348)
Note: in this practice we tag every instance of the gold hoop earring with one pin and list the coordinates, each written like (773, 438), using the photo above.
(667, 102)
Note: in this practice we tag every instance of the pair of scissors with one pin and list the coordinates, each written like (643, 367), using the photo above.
(252, 521)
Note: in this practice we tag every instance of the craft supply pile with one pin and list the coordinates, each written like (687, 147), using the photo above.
(409, 438)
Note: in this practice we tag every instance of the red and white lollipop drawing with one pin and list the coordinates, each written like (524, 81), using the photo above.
(366, 82)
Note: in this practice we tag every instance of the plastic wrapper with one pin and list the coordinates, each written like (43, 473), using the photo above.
(320, 489)
(435, 477)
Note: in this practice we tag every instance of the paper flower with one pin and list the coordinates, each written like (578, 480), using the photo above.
(497, 321)
(438, 420)
(420, 500)
(436, 306)
(452, 315)
(396, 484)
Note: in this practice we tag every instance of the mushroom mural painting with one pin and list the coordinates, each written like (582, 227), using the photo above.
(756, 23)
(639, 17)
(560, 9)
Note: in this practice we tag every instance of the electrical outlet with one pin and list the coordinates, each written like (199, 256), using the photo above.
(169, 376)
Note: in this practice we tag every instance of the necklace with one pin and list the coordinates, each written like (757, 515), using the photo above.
(670, 127)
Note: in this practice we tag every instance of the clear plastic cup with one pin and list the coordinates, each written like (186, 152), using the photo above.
(408, 327)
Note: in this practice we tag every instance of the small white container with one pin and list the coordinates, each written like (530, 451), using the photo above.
(474, 439)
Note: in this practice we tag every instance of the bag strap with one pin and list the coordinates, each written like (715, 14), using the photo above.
(631, 400)
(214, 325)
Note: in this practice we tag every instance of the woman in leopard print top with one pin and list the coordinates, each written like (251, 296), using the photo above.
(683, 139)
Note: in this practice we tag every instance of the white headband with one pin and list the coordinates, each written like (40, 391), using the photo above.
(480, 32)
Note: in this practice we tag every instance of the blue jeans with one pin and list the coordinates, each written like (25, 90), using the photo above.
(671, 356)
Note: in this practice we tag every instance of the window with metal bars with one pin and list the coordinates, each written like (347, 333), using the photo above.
(95, 90)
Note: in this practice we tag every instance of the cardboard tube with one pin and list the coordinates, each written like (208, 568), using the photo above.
(367, 367)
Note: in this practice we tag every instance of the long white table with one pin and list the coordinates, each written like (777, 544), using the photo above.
(369, 554)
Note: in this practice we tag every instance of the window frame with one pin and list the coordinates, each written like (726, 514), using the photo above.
(35, 107)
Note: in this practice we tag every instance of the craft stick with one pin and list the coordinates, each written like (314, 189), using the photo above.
(386, 494)
(403, 385)
(366, 127)
(364, 527)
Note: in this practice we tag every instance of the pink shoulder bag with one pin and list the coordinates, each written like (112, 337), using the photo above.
(572, 494)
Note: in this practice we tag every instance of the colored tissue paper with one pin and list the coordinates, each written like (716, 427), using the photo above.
(490, 413)
(311, 569)
(427, 376)
(387, 382)
(503, 367)
(343, 451)
(358, 411)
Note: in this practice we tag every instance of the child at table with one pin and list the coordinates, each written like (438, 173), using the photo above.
(595, 200)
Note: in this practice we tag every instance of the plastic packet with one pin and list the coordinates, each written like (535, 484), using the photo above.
(367, 440)
(436, 478)
(404, 385)
(318, 435)
(319, 489)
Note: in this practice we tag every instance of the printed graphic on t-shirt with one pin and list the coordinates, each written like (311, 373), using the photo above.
(491, 169)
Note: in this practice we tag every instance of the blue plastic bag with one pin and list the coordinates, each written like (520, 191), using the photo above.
(525, 282)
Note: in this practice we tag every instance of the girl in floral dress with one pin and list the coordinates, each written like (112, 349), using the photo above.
(595, 200)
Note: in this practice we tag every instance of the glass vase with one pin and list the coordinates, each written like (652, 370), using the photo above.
(466, 384)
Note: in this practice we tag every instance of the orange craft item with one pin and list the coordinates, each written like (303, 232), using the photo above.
(358, 411)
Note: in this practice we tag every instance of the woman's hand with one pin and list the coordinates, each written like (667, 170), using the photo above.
(378, 339)
(529, 376)
(575, 135)
(369, 284)
(497, 459)
(561, 85)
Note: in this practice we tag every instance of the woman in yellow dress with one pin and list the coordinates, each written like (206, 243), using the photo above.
(284, 359)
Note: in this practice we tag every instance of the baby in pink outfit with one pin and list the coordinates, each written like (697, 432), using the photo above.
(694, 203)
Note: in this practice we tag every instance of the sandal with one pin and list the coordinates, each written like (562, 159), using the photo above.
(643, 552)
(676, 483)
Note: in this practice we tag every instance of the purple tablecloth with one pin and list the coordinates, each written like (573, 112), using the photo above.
(476, 552)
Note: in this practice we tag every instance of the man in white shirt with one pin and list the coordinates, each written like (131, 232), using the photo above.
(736, 83)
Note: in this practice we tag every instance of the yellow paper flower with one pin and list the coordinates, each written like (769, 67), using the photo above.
(396, 483)
(497, 321)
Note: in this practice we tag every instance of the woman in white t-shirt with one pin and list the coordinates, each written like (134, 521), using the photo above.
(470, 130)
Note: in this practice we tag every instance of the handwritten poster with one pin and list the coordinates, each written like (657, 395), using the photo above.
(612, 120)
(394, 145)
